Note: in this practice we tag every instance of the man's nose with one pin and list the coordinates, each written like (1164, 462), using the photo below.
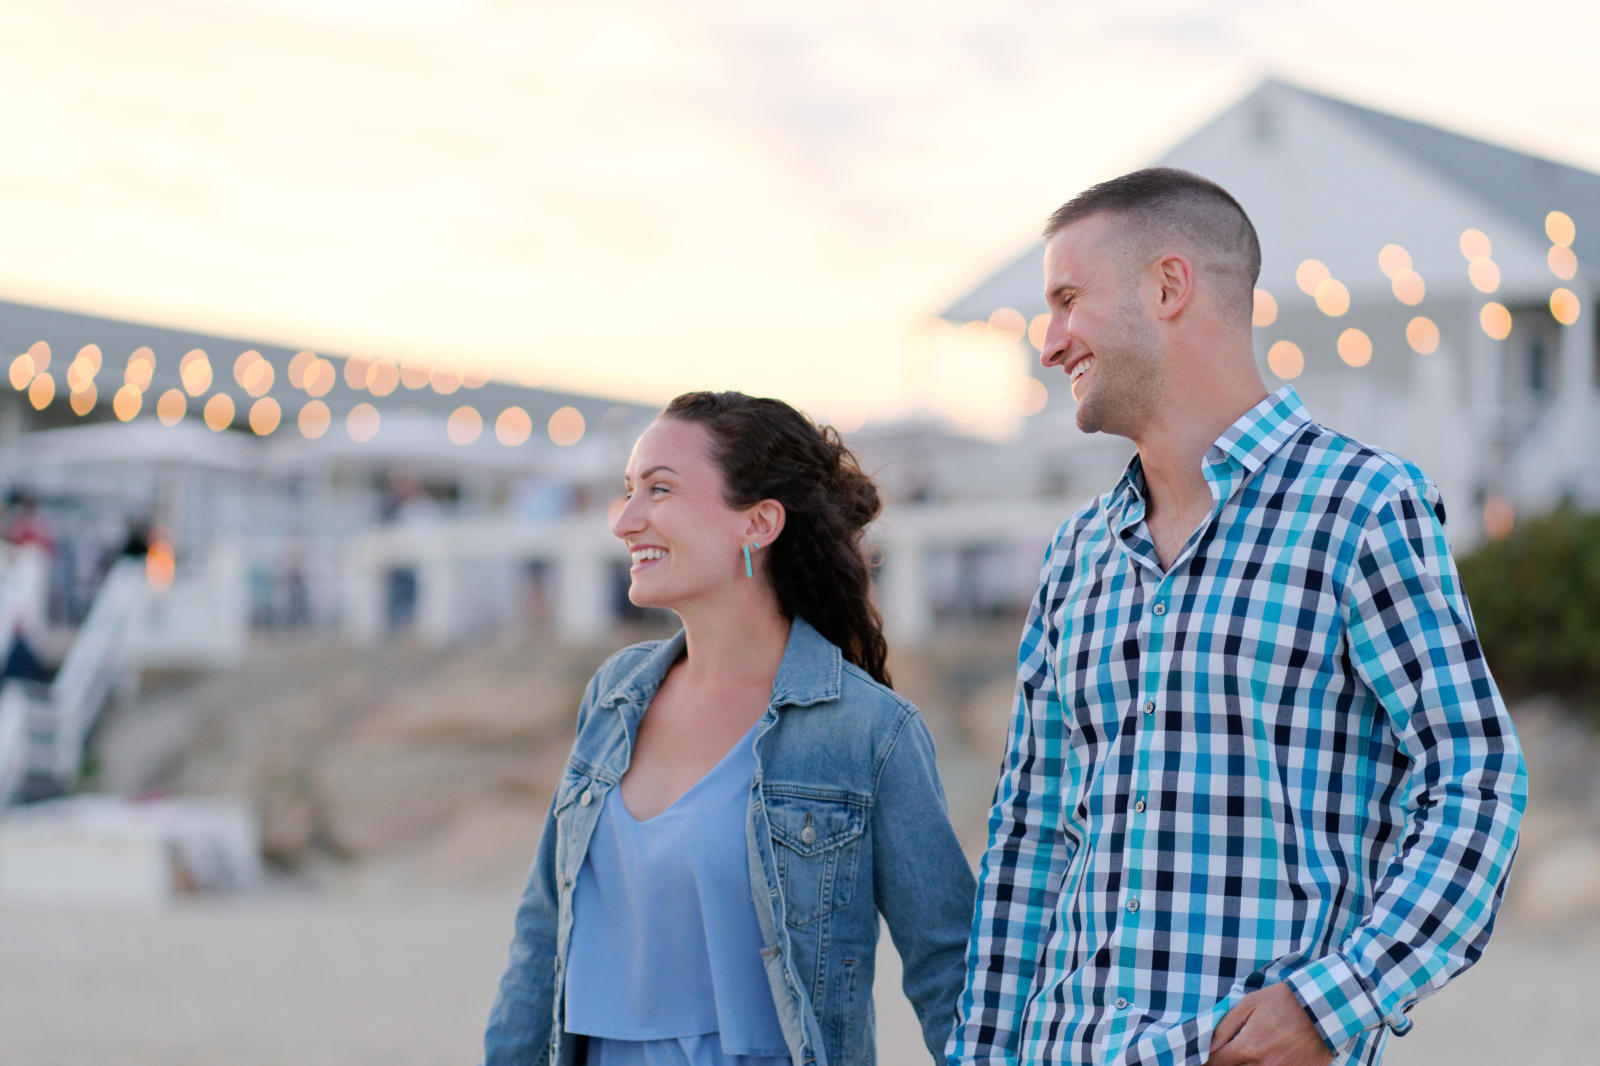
(1057, 342)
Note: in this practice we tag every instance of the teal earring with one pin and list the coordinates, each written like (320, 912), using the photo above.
(749, 571)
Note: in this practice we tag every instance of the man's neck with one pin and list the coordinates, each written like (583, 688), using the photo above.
(1172, 451)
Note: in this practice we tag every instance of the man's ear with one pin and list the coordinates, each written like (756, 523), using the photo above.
(1172, 279)
(764, 522)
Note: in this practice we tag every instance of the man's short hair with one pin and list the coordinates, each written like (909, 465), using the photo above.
(1165, 203)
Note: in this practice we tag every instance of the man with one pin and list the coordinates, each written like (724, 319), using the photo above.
(1260, 793)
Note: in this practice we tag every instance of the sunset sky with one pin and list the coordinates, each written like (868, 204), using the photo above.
(637, 198)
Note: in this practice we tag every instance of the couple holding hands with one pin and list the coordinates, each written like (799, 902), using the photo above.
(1259, 793)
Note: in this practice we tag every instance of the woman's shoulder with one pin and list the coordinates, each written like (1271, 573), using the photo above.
(874, 702)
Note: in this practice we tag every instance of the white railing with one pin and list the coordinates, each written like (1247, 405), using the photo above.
(22, 592)
(95, 662)
(13, 742)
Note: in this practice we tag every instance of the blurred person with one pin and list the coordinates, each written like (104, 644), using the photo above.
(744, 799)
(1260, 794)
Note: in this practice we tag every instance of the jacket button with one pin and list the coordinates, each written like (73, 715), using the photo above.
(808, 835)
(587, 797)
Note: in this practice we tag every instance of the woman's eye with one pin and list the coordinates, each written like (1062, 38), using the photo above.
(657, 489)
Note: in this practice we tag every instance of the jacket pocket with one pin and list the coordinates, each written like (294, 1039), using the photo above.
(816, 837)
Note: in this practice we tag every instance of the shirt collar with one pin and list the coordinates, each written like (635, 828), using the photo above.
(1258, 433)
(1245, 446)
(809, 673)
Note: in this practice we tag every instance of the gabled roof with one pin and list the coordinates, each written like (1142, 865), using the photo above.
(68, 331)
(1328, 180)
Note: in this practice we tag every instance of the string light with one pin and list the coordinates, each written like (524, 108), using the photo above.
(1265, 312)
(1286, 360)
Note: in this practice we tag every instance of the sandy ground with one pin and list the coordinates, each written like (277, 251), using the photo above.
(293, 977)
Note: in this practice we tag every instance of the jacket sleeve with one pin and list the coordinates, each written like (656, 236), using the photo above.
(518, 1031)
(922, 883)
(1413, 644)
(1022, 868)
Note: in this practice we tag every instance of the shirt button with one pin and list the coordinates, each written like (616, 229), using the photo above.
(587, 797)
(1133, 906)
(1122, 1004)
(1160, 609)
(1149, 706)
(1138, 807)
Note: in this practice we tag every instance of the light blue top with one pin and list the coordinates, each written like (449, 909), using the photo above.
(665, 940)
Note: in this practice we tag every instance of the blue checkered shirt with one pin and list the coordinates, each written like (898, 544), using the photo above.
(1283, 759)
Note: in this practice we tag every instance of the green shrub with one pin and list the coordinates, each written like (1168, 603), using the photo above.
(1536, 598)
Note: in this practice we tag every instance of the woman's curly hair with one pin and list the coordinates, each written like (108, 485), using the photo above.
(767, 450)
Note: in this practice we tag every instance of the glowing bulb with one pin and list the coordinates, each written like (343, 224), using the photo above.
(513, 427)
(21, 371)
(383, 377)
(1286, 360)
(1565, 306)
(1333, 299)
(1355, 347)
(464, 425)
(319, 377)
(219, 412)
(1034, 397)
(1266, 309)
(298, 366)
(1495, 320)
(1392, 259)
(362, 422)
(1563, 263)
(314, 419)
(1484, 275)
(195, 374)
(243, 364)
(1036, 330)
(356, 372)
(1422, 335)
(83, 400)
(565, 426)
(126, 403)
(265, 416)
(258, 378)
(445, 380)
(1009, 323)
(415, 377)
(42, 391)
(1309, 274)
(1559, 228)
(1475, 244)
(1408, 288)
(39, 352)
(171, 406)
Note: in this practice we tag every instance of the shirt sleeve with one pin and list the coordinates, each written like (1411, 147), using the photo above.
(1022, 868)
(1413, 644)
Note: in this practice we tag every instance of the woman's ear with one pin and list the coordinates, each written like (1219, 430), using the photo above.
(764, 522)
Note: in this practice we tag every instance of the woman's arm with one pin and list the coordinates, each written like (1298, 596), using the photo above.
(921, 881)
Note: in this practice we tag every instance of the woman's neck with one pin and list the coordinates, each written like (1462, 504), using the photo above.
(730, 646)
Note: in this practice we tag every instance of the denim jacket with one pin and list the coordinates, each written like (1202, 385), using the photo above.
(846, 819)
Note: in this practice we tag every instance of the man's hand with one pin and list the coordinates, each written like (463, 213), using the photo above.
(1268, 1028)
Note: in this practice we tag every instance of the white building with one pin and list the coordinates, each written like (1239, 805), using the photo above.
(1484, 373)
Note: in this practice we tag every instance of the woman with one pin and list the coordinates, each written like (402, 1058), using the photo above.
(744, 798)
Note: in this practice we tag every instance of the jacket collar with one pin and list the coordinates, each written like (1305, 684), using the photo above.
(810, 672)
